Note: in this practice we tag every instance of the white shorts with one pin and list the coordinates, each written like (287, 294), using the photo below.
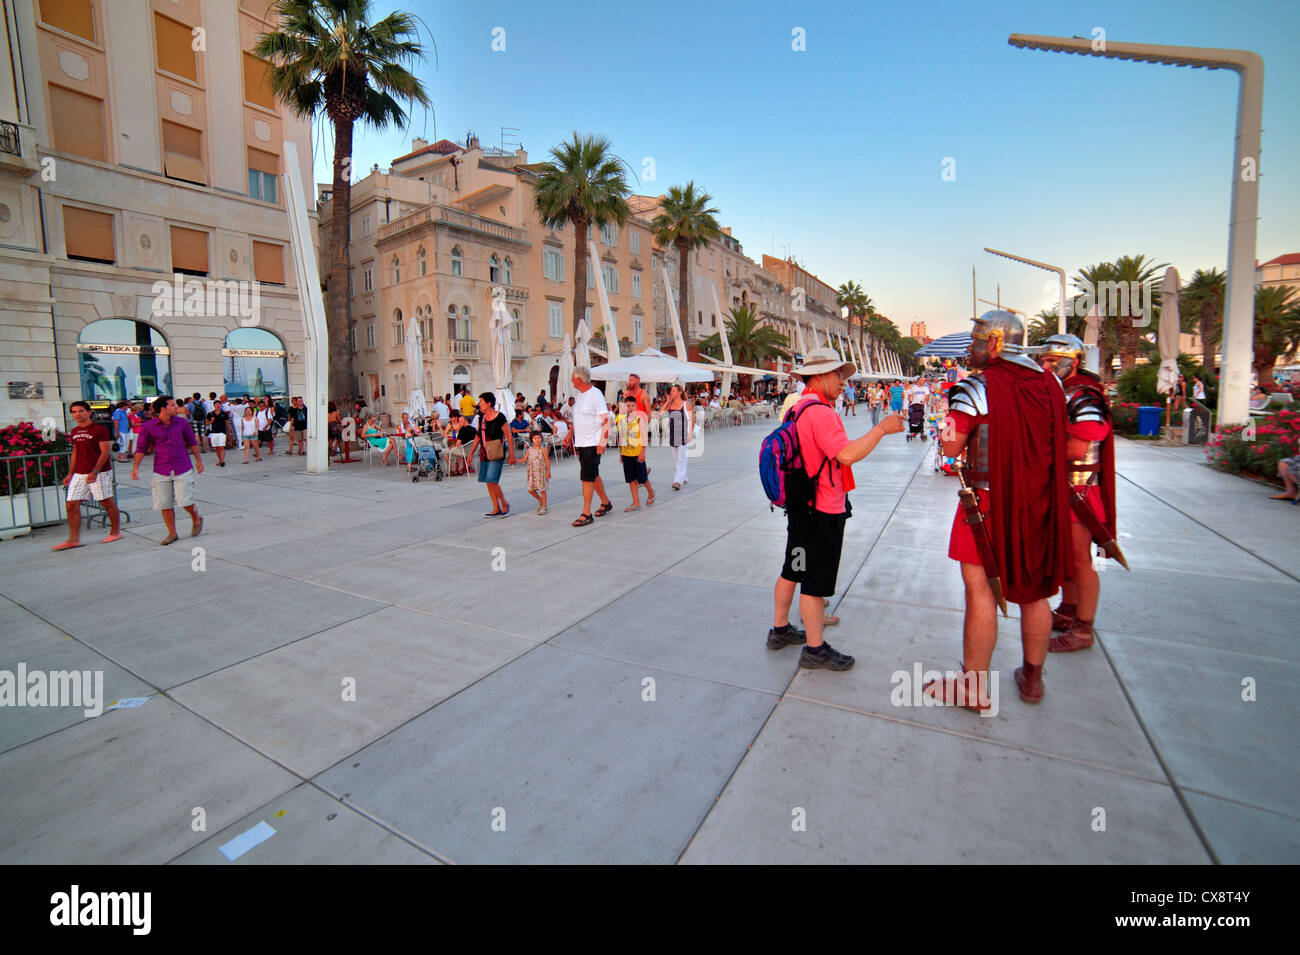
(170, 490)
(217, 440)
(100, 489)
(126, 441)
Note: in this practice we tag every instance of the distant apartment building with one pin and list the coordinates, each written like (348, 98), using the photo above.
(813, 302)
(917, 331)
(451, 232)
(143, 232)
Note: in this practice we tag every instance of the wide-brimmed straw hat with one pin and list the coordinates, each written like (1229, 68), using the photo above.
(819, 361)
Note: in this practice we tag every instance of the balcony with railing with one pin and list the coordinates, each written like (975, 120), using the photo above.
(461, 348)
(17, 148)
(445, 215)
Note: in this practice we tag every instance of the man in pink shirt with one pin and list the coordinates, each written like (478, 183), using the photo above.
(172, 441)
(815, 527)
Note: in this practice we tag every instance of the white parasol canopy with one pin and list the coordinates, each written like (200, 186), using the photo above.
(564, 380)
(415, 405)
(1170, 329)
(650, 365)
(581, 353)
(499, 339)
(1091, 337)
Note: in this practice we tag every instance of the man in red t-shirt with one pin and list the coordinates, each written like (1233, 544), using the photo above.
(815, 529)
(91, 475)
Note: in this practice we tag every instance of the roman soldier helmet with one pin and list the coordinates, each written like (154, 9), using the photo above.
(1008, 329)
(1068, 348)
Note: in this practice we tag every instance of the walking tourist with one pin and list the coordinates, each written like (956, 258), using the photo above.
(815, 513)
(680, 420)
(1090, 453)
(537, 465)
(1009, 419)
(91, 475)
(495, 438)
(218, 423)
(590, 434)
(299, 414)
(896, 397)
(170, 438)
(122, 429)
(631, 428)
(248, 432)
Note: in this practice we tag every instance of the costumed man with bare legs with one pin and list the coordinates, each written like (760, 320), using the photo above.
(1090, 450)
(1011, 533)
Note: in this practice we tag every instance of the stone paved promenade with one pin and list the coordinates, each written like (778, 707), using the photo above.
(517, 695)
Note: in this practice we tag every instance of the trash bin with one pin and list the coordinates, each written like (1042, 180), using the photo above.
(1149, 420)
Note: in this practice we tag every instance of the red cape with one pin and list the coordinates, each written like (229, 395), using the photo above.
(1029, 517)
(1107, 478)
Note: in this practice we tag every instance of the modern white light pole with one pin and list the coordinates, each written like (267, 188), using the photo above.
(1060, 273)
(1239, 314)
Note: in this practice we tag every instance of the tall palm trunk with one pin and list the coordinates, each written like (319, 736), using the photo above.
(1204, 329)
(683, 308)
(580, 276)
(338, 306)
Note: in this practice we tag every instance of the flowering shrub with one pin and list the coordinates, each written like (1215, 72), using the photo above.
(1276, 437)
(1124, 417)
(22, 439)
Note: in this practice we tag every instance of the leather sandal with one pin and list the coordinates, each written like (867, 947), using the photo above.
(1030, 684)
(952, 693)
(1078, 637)
(584, 520)
(604, 509)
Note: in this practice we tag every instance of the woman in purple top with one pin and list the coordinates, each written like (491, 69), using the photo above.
(172, 441)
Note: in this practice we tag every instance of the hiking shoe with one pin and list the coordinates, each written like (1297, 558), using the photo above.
(779, 641)
(828, 659)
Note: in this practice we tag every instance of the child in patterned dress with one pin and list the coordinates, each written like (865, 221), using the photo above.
(538, 466)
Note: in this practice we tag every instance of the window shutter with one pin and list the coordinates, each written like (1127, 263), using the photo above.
(175, 54)
(268, 263)
(88, 234)
(78, 123)
(70, 16)
(257, 85)
(189, 250)
(183, 154)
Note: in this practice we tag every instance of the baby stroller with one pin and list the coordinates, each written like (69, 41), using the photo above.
(941, 461)
(427, 460)
(915, 420)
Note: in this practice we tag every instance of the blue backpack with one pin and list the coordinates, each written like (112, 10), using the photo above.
(780, 464)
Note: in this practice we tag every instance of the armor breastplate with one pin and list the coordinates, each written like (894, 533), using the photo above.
(1082, 404)
(970, 396)
(1087, 469)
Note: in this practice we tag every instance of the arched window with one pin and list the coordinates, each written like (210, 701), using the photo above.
(255, 364)
(397, 270)
(451, 323)
(506, 270)
(123, 359)
(516, 326)
(464, 329)
(421, 262)
(494, 269)
(457, 261)
(460, 375)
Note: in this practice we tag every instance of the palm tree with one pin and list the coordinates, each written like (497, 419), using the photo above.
(585, 185)
(1090, 280)
(1277, 328)
(686, 222)
(751, 343)
(1042, 326)
(327, 56)
(850, 296)
(1130, 269)
(1202, 307)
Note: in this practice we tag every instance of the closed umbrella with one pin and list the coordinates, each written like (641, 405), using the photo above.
(564, 380)
(1091, 337)
(1167, 336)
(499, 337)
(581, 354)
(415, 405)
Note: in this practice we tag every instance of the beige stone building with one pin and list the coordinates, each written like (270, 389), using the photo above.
(447, 231)
(143, 232)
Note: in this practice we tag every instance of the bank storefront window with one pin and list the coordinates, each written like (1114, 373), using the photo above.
(255, 364)
(123, 359)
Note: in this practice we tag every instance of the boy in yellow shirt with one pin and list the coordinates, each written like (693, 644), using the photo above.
(635, 472)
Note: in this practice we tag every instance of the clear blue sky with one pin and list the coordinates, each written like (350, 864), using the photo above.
(834, 154)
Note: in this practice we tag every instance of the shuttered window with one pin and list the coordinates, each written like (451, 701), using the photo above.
(189, 251)
(261, 175)
(183, 153)
(173, 43)
(268, 263)
(88, 234)
(70, 16)
(257, 84)
(78, 123)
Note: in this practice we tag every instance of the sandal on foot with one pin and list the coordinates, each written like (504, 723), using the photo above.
(1073, 639)
(604, 509)
(584, 520)
(952, 693)
(67, 545)
(634, 507)
(830, 620)
(650, 500)
(677, 487)
(1030, 692)
(112, 537)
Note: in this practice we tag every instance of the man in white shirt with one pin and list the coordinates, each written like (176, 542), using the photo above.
(441, 410)
(236, 408)
(590, 432)
(567, 410)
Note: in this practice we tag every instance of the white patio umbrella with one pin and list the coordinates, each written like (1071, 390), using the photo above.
(499, 339)
(415, 405)
(1091, 337)
(581, 354)
(650, 365)
(1167, 336)
(564, 380)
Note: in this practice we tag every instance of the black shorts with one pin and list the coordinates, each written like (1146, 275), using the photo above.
(588, 464)
(813, 542)
(634, 470)
(265, 436)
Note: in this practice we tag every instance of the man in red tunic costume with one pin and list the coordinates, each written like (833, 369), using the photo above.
(1090, 450)
(1009, 419)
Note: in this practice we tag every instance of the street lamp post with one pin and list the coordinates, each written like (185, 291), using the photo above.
(1239, 314)
(1060, 273)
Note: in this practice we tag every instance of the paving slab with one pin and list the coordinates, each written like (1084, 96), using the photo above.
(310, 829)
(877, 792)
(122, 788)
(290, 703)
(1245, 835)
(584, 769)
